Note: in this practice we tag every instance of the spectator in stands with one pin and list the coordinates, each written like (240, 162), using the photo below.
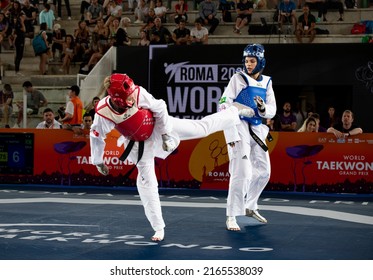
(84, 4)
(35, 100)
(141, 11)
(96, 56)
(87, 121)
(181, 34)
(319, 128)
(47, 16)
(58, 38)
(331, 119)
(225, 6)
(58, 3)
(144, 38)
(199, 35)
(319, 6)
(95, 12)
(101, 31)
(4, 28)
(18, 35)
(181, 9)
(244, 11)
(92, 112)
(49, 121)
(148, 26)
(287, 14)
(332, 5)
(309, 125)
(287, 118)
(113, 11)
(30, 20)
(118, 36)
(347, 127)
(43, 57)
(68, 53)
(82, 39)
(160, 11)
(6, 103)
(208, 12)
(150, 15)
(124, 23)
(165, 36)
(131, 6)
(74, 108)
(306, 25)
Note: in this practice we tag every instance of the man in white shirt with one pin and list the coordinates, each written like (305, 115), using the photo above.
(49, 120)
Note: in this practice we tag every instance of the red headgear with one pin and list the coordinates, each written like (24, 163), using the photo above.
(121, 87)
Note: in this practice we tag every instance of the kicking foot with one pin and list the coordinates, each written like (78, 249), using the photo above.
(255, 214)
(244, 110)
(158, 235)
(232, 224)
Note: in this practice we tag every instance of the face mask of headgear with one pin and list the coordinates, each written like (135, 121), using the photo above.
(121, 88)
(257, 51)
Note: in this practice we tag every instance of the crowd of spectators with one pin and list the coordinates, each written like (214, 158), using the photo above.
(289, 120)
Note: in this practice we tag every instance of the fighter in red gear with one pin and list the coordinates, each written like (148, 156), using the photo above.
(138, 116)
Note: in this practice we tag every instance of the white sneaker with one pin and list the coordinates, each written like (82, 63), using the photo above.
(139, 21)
(69, 18)
(20, 74)
(255, 214)
(29, 111)
(58, 19)
(16, 126)
(85, 68)
(232, 224)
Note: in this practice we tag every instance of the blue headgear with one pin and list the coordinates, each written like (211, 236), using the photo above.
(257, 51)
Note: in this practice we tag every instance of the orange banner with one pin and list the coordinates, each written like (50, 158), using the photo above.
(312, 162)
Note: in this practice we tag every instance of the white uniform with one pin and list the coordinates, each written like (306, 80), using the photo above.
(249, 165)
(179, 129)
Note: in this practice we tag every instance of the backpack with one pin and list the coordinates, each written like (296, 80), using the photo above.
(39, 44)
(358, 28)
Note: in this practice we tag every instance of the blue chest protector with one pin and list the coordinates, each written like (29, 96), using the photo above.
(247, 94)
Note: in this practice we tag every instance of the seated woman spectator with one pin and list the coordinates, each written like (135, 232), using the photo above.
(82, 39)
(58, 38)
(181, 9)
(118, 36)
(160, 11)
(309, 125)
(144, 38)
(101, 31)
(68, 53)
(96, 56)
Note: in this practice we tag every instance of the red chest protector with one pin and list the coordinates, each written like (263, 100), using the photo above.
(135, 123)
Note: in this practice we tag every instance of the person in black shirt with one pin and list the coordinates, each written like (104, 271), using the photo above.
(346, 128)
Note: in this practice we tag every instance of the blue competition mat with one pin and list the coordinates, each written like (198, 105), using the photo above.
(109, 224)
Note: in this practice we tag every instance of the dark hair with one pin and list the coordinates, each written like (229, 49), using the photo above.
(47, 110)
(75, 89)
(43, 26)
(27, 84)
(7, 87)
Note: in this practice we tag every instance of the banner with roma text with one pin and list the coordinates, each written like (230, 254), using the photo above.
(310, 162)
